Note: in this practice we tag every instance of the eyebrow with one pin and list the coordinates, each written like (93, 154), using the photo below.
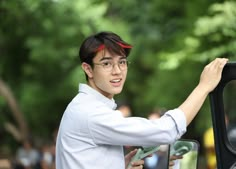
(110, 58)
(105, 58)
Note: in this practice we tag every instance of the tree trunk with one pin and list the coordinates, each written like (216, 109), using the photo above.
(20, 131)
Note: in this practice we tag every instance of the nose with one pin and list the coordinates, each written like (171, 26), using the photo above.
(116, 68)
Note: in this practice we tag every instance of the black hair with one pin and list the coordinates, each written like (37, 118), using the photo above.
(109, 40)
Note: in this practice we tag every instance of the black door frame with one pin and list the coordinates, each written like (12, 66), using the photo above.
(225, 153)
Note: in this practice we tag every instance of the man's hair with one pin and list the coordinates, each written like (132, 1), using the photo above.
(97, 42)
(102, 40)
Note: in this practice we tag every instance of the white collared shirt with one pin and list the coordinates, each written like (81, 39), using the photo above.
(92, 133)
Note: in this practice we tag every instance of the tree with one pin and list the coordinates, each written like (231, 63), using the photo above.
(39, 43)
(213, 36)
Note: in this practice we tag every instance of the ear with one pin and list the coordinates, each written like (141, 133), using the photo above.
(87, 69)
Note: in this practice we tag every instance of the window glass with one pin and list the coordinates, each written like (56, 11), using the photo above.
(229, 99)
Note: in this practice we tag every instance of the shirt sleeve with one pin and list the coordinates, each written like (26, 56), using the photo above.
(111, 128)
(180, 121)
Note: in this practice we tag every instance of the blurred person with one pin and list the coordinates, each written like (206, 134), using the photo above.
(124, 108)
(92, 132)
(27, 156)
(5, 164)
(47, 156)
(209, 145)
(156, 113)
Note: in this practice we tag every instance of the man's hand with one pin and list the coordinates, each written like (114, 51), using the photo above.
(172, 159)
(211, 74)
(136, 164)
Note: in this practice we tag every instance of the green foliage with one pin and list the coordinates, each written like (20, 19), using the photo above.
(213, 36)
(173, 40)
(39, 54)
(156, 27)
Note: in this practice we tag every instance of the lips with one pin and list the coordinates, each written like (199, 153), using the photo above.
(115, 80)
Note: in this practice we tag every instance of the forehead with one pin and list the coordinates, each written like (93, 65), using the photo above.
(106, 54)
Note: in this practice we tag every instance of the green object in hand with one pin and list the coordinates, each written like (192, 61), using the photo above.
(143, 152)
(181, 147)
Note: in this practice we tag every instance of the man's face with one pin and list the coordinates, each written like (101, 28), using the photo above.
(108, 80)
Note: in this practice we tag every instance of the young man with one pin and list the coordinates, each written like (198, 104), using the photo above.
(92, 133)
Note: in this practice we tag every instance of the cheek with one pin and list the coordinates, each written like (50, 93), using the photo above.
(100, 78)
(125, 74)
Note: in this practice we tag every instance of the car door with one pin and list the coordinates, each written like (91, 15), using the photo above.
(223, 109)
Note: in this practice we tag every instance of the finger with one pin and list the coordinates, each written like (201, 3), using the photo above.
(137, 163)
(223, 62)
(212, 65)
(175, 157)
(171, 158)
(219, 63)
(214, 69)
(178, 157)
(171, 163)
(150, 155)
(137, 167)
(133, 151)
(130, 154)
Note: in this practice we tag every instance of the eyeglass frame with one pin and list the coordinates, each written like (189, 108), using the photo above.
(112, 64)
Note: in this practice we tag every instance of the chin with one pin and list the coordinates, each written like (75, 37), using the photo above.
(117, 91)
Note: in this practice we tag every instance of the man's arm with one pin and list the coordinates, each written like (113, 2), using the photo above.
(209, 79)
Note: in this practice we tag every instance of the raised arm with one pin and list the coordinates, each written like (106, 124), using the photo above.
(209, 79)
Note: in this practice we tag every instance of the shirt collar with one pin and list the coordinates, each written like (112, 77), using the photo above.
(84, 88)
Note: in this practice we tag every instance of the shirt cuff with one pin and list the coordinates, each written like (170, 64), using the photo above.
(180, 120)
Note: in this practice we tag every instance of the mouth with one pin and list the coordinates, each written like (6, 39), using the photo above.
(115, 81)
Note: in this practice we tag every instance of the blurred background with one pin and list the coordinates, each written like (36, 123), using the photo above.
(40, 68)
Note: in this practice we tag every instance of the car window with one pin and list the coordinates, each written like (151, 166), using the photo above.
(229, 100)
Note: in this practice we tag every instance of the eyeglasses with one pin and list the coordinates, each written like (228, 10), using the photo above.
(109, 65)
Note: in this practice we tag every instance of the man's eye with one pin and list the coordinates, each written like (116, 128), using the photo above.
(106, 64)
(123, 62)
